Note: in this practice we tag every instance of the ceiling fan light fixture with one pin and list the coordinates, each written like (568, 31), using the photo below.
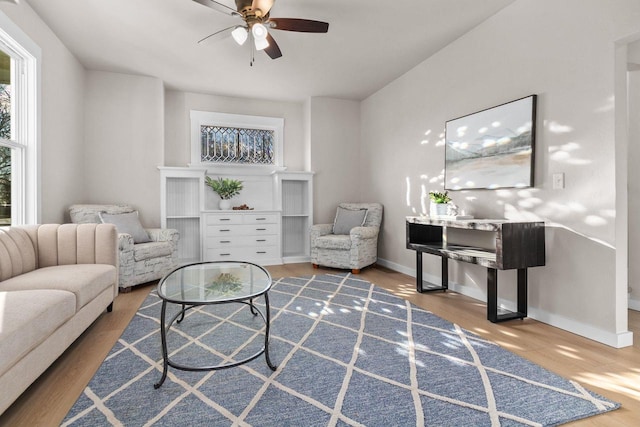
(240, 35)
(261, 44)
(259, 32)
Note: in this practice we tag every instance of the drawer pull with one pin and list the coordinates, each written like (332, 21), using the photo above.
(225, 254)
(225, 230)
(261, 219)
(225, 219)
(225, 241)
(261, 240)
(261, 229)
(261, 252)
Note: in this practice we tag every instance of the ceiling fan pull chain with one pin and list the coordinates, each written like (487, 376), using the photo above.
(253, 56)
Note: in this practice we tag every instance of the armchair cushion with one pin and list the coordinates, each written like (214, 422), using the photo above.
(334, 241)
(127, 223)
(346, 219)
(151, 250)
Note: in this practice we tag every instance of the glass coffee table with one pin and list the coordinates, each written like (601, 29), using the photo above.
(208, 283)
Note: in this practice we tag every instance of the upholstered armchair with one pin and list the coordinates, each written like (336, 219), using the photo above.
(351, 242)
(145, 254)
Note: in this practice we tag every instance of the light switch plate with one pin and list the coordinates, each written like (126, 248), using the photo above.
(558, 181)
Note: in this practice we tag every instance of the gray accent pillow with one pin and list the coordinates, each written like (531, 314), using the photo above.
(127, 223)
(346, 219)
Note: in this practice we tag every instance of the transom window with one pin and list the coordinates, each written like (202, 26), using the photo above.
(234, 140)
(236, 145)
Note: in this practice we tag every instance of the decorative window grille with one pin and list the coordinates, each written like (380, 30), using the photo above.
(236, 145)
(236, 141)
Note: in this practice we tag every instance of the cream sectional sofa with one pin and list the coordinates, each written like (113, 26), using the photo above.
(55, 280)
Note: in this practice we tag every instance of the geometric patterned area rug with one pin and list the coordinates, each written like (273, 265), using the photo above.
(348, 354)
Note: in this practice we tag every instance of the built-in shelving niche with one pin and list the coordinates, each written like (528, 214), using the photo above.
(184, 199)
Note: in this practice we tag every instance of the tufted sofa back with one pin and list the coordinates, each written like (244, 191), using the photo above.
(25, 248)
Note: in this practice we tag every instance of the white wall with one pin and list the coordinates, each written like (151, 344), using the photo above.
(124, 139)
(178, 126)
(634, 173)
(564, 52)
(334, 139)
(62, 86)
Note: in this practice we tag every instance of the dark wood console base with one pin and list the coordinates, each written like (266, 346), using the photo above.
(518, 245)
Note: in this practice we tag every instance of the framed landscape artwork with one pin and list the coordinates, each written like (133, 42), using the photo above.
(493, 148)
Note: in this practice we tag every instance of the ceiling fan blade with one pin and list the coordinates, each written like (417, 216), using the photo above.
(220, 34)
(264, 5)
(299, 25)
(218, 7)
(273, 50)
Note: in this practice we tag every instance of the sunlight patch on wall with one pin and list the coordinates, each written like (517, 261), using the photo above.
(511, 212)
(609, 105)
(426, 141)
(563, 153)
(555, 127)
(408, 191)
(595, 221)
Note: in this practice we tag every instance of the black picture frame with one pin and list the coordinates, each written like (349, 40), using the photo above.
(492, 148)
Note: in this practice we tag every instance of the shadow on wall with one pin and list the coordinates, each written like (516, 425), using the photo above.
(578, 281)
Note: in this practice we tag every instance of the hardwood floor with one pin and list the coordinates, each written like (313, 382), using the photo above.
(613, 373)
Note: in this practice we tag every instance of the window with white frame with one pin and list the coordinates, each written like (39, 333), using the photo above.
(235, 140)
(19, 58)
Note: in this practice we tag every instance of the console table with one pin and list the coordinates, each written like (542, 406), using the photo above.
(518, 245)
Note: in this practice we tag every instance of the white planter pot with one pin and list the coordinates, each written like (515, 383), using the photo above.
(438, 209)
(225, 205)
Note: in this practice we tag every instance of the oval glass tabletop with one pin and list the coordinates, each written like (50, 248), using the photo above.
(213, 282)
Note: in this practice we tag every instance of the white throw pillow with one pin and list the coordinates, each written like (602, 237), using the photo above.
(127, 223)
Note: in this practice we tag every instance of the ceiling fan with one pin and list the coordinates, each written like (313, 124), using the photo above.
(258, 22)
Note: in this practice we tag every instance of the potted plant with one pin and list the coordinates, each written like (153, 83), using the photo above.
(226, 188)
(439, 204)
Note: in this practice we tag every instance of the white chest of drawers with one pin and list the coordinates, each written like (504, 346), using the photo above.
(253, 236)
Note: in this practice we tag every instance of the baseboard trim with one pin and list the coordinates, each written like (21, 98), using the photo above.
(616, 340)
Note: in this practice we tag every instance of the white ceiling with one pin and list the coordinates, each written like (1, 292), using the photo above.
(369, 43)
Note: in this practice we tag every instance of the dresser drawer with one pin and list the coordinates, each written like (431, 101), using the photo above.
(213, 219)
(246, 241)
(241, 230)
(261, 218)
(242, 254)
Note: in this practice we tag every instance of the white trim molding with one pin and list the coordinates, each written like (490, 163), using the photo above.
(26, 205)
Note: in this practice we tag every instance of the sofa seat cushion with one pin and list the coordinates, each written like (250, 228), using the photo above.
(334, 241)
(85, 281)
(29, 317)
(142, 251)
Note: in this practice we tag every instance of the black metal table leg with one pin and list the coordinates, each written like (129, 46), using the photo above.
(492, 294)
(445, 273)
(266, 332)
(163, 335)
(419, 271)
(522, 291)
(419, 280)
(492, 297)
